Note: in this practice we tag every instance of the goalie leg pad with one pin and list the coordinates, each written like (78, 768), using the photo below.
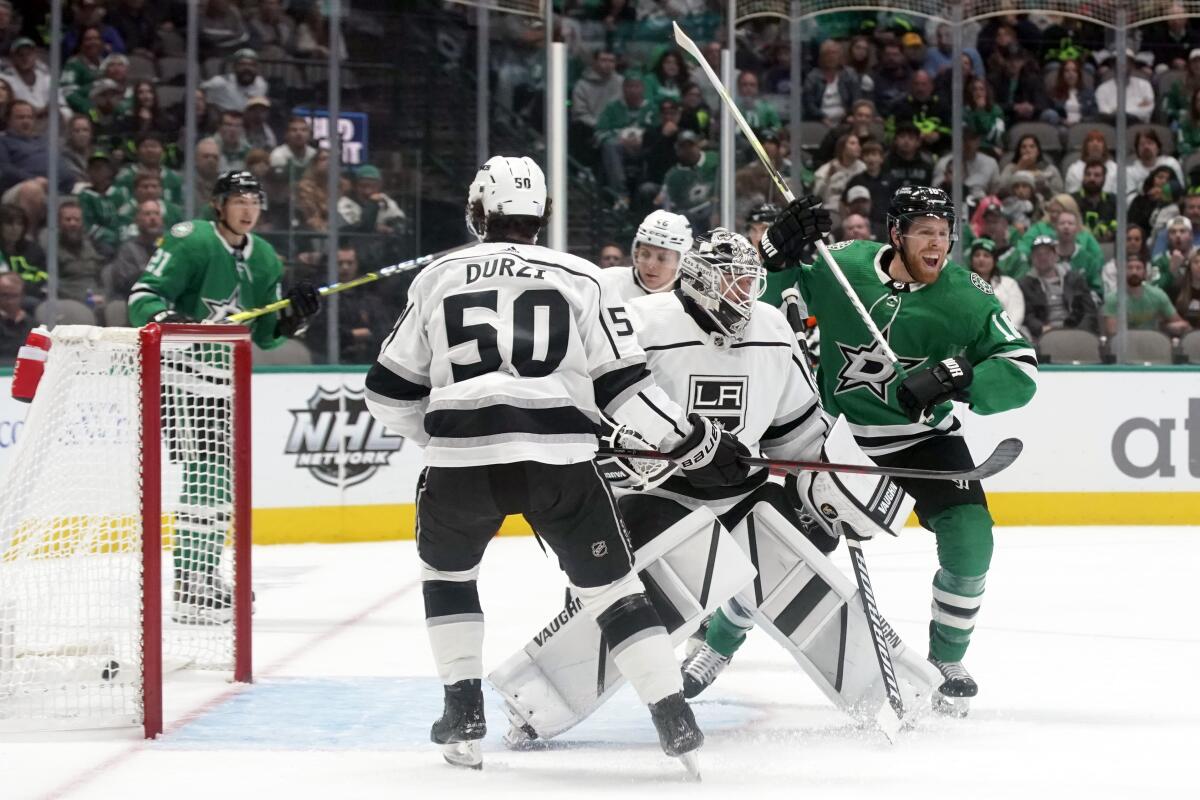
(568, 669)
(813, 611)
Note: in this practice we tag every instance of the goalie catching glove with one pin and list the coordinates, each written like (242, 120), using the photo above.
(946, 380)
(709, 456)
(802, 223)
(304, 301)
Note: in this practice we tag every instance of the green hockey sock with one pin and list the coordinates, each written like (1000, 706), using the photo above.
(724, 635)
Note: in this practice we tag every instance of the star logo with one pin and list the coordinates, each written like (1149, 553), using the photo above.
(867, 367)
(220, 309)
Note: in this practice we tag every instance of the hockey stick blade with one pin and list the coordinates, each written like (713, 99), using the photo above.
(891, 715)
(1003, 456)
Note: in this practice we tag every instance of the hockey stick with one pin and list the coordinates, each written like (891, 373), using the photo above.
(689, 46)
(889, 723)
(1005, 454)
(334, 288)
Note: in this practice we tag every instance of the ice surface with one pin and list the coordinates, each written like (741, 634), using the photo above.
(1087, 654)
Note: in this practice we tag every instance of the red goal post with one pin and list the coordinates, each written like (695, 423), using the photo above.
(136, 450)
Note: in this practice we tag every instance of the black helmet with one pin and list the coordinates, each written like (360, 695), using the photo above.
(237, 181)
(910, 202)
(766, 212)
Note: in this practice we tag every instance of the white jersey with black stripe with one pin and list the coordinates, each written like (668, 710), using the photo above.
(759, 388)
(510, 352)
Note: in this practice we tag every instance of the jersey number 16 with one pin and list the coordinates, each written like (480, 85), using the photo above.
(541, 328)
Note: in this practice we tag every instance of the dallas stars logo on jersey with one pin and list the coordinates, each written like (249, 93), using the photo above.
(867, 367)
(219, 310)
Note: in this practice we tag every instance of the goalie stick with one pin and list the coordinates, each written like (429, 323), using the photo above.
(889, 723)
(334, 288)
(1005, 454)
(688, 45)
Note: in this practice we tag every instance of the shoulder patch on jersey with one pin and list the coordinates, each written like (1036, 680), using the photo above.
(841, 245)
(981, 284)
(181, 229)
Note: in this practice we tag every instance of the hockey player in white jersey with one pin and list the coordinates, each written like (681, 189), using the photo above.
(661, 241)
(501, 365)
(720, 352)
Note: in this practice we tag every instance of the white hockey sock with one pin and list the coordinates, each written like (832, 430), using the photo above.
(454, 620)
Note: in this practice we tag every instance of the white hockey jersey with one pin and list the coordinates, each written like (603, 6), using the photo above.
(626, 282)
(758, 388)
(509, 352)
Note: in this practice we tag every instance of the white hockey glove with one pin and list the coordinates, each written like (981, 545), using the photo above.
(634, 474)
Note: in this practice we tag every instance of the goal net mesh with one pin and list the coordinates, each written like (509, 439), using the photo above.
(71, 527)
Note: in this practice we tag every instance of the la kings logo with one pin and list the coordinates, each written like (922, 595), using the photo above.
(337, 440)
(720, 398)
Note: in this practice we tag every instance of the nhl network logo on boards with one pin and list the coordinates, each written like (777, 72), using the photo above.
(337, 440)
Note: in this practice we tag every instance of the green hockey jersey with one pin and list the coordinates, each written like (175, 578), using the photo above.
(957, 315)
(100, 216)
(195, 272)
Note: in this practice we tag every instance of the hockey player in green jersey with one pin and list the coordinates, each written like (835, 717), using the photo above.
(204, 272)
(955, 342)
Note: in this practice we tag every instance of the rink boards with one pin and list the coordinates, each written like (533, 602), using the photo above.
(1103, 446)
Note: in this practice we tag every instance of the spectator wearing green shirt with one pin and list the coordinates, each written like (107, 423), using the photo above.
(690, 187)
(82, 69)
(146, 186)
(1148, 306)
(757, 111)
(100, 200)
(667, 79)
(150, 152)
(619, 136)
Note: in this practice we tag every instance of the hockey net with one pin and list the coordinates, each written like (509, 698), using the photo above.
(124, 525)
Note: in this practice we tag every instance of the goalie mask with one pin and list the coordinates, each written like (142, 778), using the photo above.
(724, 276)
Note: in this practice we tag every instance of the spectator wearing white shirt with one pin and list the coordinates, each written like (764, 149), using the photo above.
(231, 91)
(1139, 95)
(28, 77)
(1095, 148)
(1148, 149)
(982, 173)
(295, 153)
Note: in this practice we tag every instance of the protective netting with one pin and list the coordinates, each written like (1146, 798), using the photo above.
(71, 530)
(1103, 12)
(529, 7)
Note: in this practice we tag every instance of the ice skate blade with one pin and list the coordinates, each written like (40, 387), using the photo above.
(956, 707)
(691, 762)
(518, 740)
(463, 754)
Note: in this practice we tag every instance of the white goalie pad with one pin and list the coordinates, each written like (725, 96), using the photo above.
(566, 672)
(867, 503)
(815, 613)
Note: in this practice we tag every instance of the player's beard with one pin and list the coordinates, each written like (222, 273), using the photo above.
(917, 267)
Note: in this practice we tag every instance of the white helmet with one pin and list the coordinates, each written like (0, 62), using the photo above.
(724, 276)
(514, 187)
(475, 193)
(664, 229)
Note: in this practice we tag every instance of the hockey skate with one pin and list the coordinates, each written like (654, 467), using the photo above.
(701, 668)
(678, 732)
(201, 599)
(461, 725)
(953, 697)
(696, 640)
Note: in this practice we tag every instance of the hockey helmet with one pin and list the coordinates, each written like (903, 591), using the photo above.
(237, 181)
(724, 275)
(514, 187)
(912, 202)
(664, 229)
(475, 195)
(764, 212)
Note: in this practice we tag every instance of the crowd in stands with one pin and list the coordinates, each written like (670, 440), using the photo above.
(1039, 160)
(1040, 167)
(122, 152)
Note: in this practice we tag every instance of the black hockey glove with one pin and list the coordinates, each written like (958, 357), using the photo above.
(799, 225)
(946, 380)
(710, 457)
(170, 315)
(305, 302)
